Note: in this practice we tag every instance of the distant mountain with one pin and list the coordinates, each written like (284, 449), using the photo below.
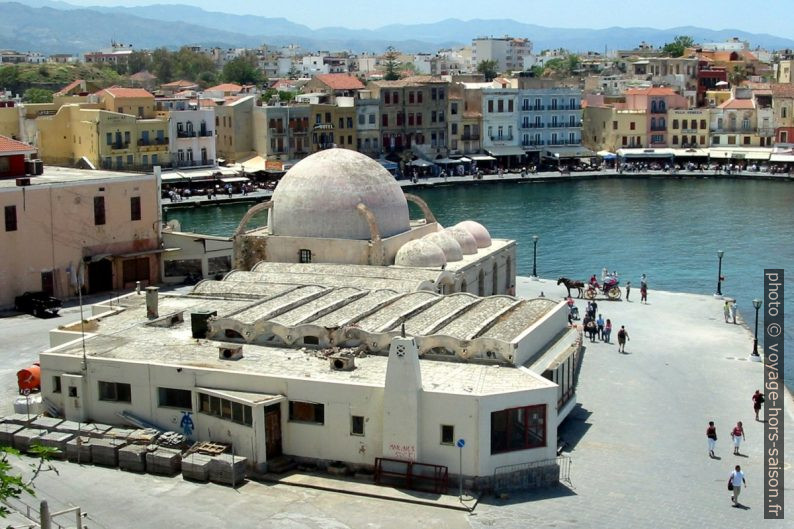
(53, 25)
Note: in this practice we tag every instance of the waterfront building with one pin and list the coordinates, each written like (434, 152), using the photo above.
(367, 129)
(746, 119)
(655, 102)
(708, 78)
(500, 126)
(334, 84)
(191, 131)
(333, 124)
(679, 73)
(689, 128)
(413, 114)
(783, 110)
(281, 132)
(508, 52)
(234, 123)
(323, 361)
(608, 127)
(550, 120)
(120, 131)
(69, 223)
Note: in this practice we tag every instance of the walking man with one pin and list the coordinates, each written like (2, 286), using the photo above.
(758, 399)
(711, 435)
(726, 311)
(622, 337)
(735, 483)
(737, 434)
(643, 290)
(628, 289)
(600, 325)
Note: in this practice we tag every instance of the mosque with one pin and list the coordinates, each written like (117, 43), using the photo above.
(349, 334)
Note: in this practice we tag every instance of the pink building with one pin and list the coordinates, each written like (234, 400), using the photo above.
(67, 220)
(655, 101)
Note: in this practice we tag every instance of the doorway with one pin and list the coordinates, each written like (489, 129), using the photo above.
(273, 431)
(48, 283)
(100, 276)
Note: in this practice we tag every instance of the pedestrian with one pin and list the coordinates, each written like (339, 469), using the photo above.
(623, 336)
(737, 434)
(600, 326)
(711, 435)
(733, 311)
(643, 290)
(735, 483)
(591, 330)
(594, 309)
(758, 399)
(589, 309)
(726, 311)
(607, 330)
(628, 289)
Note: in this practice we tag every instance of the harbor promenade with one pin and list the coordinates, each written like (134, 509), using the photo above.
(470, 180)
(636, 441)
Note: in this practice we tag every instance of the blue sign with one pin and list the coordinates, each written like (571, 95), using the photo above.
(461, 443)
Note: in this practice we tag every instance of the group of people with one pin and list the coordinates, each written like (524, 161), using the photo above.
(737, 479)
(596, 327)
(729, 311)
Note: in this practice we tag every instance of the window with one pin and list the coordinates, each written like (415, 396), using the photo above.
(675, 140)
(419, 119)
(747, 140)
(362, 119)
(341, 123)
(99, 211)
(447, 434)
(175, 398)
(109, 137)
(410, 119)
(410, 98)
(731, 140)
(135, 208)
(433, 94)
(304, 256)
(702, 124)
(226, 409)
(453, 109)
(441, 94)
(11, 218)
(356, 425)
(509, 105)
(783, 112)
(490, 105)
(349, 122)
(306, 412)
(372, 119)
(614, 125)
(115, 392)
(675, 124)
(500, 105)
(328, 117)
(56, 384)
(518, 429)
(419, 96)
(385, 120)
(432, 116)
(454, 128)
(632, 126)
(135, 269)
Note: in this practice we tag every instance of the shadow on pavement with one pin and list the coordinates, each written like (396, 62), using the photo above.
(574, 427)
(512, 498)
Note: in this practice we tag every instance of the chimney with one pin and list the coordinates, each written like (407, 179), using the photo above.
(151, 302)
(199, 322)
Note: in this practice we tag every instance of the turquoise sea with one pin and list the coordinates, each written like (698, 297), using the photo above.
(669, 230)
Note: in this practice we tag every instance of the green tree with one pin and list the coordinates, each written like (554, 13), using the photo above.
(9, 78)
(243, 70)
(138, 61)
(537, 70)
(391, 65)
(678, 46)
(37, 95)
(190, 64)
(489, 69)
(206, 79)
(737, 75)
(162, 65)
(13, 485)
(572, 63)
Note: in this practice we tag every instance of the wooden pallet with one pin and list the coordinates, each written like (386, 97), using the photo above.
(208, 448)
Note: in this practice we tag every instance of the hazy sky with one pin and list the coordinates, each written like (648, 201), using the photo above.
(722, 14)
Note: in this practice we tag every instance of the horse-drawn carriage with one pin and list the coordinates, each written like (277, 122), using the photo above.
(609, 288)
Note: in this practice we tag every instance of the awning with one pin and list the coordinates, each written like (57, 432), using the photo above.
(787, 158)
(446, 161)
(145, 252)
(568, 152)
(741, 154)
(690, 153)
(505, 151)
(645, 153)
(234, 179)
(173, 177)
(482, 158)
(464, 159)
(389, 165)
(420, 163)
(606, 155)
(242, 397)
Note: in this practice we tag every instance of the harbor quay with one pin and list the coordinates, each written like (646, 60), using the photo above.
(636, 441)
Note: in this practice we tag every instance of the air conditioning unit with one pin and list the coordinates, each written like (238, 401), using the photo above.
(230, 352)
(342, 363)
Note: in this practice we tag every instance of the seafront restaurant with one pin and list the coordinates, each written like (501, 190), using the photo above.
(660, 156)
(381, 361)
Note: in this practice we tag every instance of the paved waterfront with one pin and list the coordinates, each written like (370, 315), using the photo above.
(637, 444)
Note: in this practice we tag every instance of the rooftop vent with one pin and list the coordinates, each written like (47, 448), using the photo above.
(230, 352)
(342, 363)
(198, 322)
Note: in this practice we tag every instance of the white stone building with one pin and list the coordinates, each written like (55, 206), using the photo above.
(508, 52)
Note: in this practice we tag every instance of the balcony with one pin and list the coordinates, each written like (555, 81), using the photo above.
(470, 137)
(204, 133)
(532, 125)
(533, 143)
(193, 163)
(120, 146)
(568, 107)
(501, 138)
(532, 108)
(160, 144)
(186, 134)
(563, 142)
(274, 131)
(658, 128)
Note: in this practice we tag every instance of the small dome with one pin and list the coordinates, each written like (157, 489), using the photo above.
(448, 245)
(319, 196)
(466, 240)
(420, 253)
(477, 231)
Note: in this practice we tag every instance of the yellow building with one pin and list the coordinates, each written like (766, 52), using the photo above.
(715, 98)
(100, 138)
(9, 120)
(688, 128)
(333, 125)
(608, 128)
(234, 126)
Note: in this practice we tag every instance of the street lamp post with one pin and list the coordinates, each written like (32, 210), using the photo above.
(535, 256)
(755, 355)
(720, 253)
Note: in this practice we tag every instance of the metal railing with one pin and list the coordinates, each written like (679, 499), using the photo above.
(525, 475)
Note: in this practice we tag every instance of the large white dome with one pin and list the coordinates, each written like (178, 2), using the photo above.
(319, 195)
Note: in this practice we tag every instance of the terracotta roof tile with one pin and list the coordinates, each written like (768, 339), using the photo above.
(785, 90)
(340, 81)
(179, 84)
(118, 91)
(7, 145)
(68, 88)
(225, 87)
(738, 104)
(652, 91)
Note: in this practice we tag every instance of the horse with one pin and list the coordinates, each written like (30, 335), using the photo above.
(570, 283)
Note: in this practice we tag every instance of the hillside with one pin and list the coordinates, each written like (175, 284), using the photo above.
(53, 77)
